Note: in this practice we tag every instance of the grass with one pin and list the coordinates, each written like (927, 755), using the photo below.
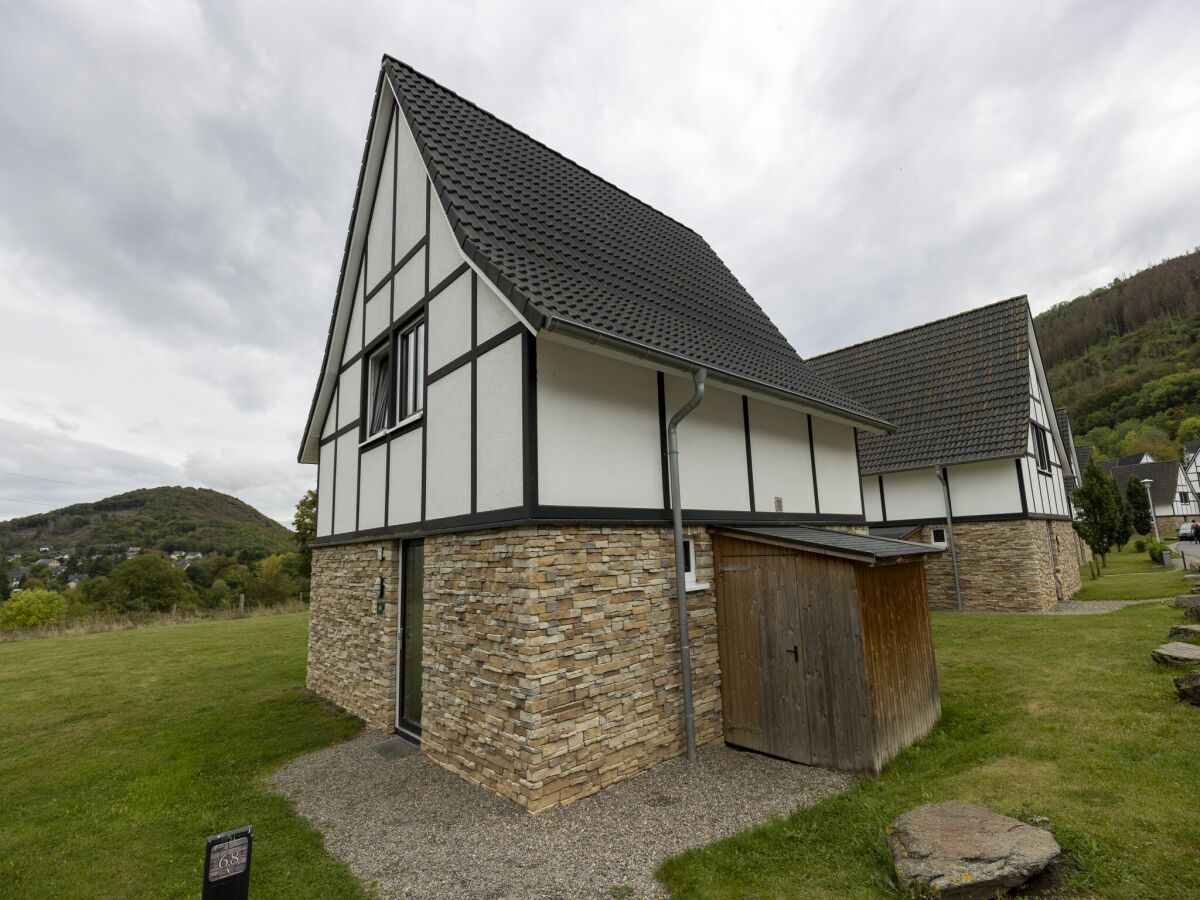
(1130, 575)
(1059, 716)
(121, 752)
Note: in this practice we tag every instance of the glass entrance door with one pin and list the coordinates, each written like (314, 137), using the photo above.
(412, 608)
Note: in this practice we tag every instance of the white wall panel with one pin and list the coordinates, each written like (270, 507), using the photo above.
(444, 253)
(712, 448)
(491, 314)
(411, 181)
(404, 483)
(912, 495)
(378, 314)
(448, 443)
(984, 488)
(330, 417)
(782, 463)
(598, 432)
(379, 237)
(372, 488)
(498, 453)
(837, 467)
(349, 392)
(450, 322)
(354, 329)
(410, 283)
(872, 507)
(345, 506)
(325, 473)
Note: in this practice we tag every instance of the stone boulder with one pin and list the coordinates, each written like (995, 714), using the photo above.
(1187, 601)
(1176, 653)
(1192, 613)
(961, 850)
(1184, 631)
(1188, 687)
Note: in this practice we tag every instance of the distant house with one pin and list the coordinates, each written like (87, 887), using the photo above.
(131, 552)
(1173, 494)
(1191, 462)
(46, 549)
(194, 554)
(977, 443)
(496, 573)
(50, 564)
(1072, 471)
(177, 554)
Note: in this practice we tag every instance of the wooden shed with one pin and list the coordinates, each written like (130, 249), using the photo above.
(825, 645)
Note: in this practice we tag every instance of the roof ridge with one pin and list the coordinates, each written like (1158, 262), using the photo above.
(491, 115)
(923, 325)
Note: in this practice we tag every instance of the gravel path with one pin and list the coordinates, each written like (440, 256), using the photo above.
(417, 830)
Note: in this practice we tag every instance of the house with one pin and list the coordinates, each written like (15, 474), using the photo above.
(1072, 472)
(131, 552)
(516, 352)
(1191, 462)
(977, 460)
(1174, 497)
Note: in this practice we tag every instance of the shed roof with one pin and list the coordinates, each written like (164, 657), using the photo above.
(564, 244)
(957, 389)
(860, 547)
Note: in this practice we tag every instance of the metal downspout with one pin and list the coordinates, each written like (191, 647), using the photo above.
(685, 644)
(950, 536)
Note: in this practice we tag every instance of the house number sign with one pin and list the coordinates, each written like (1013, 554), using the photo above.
(227, 865)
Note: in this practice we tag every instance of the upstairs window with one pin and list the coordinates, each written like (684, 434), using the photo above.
(1185, 497)
(379, 382)
(1041, 448)
(410, 374)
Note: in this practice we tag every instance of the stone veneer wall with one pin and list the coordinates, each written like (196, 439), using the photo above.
(552, 657)
(1168, 527)
(351, 648)
(1005, 565)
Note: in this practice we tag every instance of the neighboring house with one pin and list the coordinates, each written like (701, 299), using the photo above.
(1072, 471)
(1132, 459)
(1191, 462)
(494, 571)
(1172, 491)
(972, 405)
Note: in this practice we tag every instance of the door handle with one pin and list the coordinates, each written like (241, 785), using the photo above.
(795, 651)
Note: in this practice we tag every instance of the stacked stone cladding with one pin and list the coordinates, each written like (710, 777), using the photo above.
(351, 646)
(552, 657)
(1005, 565)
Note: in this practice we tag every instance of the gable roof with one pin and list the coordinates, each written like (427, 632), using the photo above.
(1165, 474)
(1190, 449)
(1130, 459)
(1082, 453)
(566, 246)
(957, 389)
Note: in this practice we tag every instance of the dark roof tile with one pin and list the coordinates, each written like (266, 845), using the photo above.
(957, 389)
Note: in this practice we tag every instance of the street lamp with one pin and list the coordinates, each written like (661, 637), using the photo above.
(1153, 518)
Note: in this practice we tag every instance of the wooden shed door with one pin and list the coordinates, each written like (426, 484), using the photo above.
(792, 683)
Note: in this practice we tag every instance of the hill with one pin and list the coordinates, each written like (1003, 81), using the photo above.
(162, 518)
(1125, 359)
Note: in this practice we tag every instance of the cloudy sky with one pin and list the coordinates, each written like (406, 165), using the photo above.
(176, 180)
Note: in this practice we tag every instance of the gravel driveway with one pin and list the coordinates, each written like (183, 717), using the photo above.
(417, 830)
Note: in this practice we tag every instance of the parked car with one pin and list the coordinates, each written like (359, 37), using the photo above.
(1185, 531)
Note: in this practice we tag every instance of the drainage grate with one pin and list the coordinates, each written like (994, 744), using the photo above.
(394, 748)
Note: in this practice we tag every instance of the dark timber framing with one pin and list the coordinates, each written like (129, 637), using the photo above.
(812, 459)
(749, 454)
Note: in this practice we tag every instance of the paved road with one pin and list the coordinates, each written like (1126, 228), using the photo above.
(1191, 550)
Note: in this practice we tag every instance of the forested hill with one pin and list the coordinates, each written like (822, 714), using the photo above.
(1125, 359)
(162, 518)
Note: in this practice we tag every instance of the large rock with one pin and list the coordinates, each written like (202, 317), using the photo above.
(961, 850)
(1188, 687)
(1176, 653)
(1184, 631)
(1187, 601)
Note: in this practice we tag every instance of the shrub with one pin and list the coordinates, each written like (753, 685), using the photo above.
(29, 609)
(1139, 545)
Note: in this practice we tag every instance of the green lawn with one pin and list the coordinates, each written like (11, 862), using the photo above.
(121, 752)
(1060, 716)
(1130, 575)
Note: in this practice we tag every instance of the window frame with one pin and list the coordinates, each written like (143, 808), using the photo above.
(1185, 496)
(933, 538)
(1041, 448)
(370, 427)
(399, 413)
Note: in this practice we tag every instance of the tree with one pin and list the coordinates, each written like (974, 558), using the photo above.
(1123, 525)
(1098, 513)
(4, 588)
(1189, 429)
(305, 523)
(30, 609)
(1148, 439)
(1139, 506)
(146, 582)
